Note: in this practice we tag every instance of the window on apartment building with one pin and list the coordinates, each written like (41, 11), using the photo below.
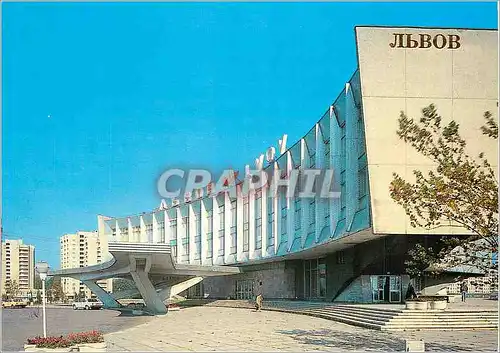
(270, 221)
(258, 219)
(246, 224)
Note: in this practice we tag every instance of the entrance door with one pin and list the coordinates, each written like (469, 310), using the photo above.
(395, 289)
(386, 289)
(315, 279)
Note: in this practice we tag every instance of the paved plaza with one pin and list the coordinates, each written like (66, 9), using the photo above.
(231, 329)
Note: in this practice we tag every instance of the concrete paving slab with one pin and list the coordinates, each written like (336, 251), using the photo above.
(224, 329)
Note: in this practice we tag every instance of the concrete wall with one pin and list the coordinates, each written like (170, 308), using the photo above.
(278, 282)
(461, 82)
(285, 279)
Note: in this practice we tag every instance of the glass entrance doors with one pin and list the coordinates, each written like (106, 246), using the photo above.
(386, 289)
(315, 279)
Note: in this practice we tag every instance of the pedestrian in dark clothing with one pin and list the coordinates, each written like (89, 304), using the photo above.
(464, 289)
(410, 293)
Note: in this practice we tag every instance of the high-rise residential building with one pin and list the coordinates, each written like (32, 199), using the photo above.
(79, 250)
(18, 264)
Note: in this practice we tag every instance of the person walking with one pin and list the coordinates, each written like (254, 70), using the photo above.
(258, 302)
(410, 293)
(464, 289)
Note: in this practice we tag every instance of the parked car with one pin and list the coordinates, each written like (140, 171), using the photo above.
(87, 304)
(494, 296)
(15, 303)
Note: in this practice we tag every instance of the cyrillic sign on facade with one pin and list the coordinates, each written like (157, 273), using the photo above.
(424, 40)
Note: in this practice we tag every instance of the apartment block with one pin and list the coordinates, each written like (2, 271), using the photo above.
(18, 264)
(81, 249)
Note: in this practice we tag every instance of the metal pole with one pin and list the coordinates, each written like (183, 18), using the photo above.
(43, 310)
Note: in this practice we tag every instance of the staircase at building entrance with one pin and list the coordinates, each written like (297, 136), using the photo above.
(476, 315)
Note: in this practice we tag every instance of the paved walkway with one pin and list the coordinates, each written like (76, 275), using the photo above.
(230, 329)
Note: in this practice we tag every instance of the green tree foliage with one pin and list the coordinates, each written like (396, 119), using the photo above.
(121, 284)
(11, 289)
(57, 293)
(37, 282)
(461, 191)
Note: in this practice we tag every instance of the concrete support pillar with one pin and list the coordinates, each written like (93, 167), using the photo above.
(263, 210)
(105, 297)
(204, 233)
(139, 272)
(251, 224)
(168, 292)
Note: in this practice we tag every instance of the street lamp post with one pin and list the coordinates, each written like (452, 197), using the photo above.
(43, 268)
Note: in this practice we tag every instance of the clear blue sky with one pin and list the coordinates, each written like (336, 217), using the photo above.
(132, 89)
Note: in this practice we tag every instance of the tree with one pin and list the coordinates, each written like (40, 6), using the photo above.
(57, 290)
(37, 283)
(122, 284)
(11, 289)
(461, 191)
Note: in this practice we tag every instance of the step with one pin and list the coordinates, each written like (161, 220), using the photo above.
(438, 327)
(453, 311)
(362, 311)
(447, 322)
(334, 316)
(446, 316)
(354, 315)
(346, 320)
(450, 318)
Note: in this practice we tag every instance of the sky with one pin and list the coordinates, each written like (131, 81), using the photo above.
(99, 99)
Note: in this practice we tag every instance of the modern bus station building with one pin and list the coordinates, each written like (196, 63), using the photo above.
(351, 248)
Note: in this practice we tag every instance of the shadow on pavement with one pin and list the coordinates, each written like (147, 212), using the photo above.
(363, 341)
(359, 341)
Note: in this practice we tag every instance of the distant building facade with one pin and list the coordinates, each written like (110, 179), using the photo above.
(18, 264)
(476, 285)
(79, 250)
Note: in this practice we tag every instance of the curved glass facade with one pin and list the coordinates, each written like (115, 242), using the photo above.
(230, 230)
